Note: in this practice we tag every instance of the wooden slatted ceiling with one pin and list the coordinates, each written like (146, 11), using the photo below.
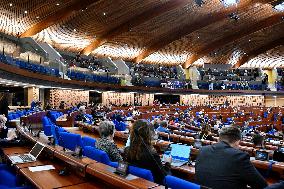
(267, 22)
(92, 23)
(194, 41)
(269, 59)
(14, 20)
(133, 22)
(167, 27)
(248, 44)
(210, 19)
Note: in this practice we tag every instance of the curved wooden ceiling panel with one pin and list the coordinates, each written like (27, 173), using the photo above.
(150, 31)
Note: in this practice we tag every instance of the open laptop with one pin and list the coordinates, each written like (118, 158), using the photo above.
(180, 154)
(261, 155)
(30, 157)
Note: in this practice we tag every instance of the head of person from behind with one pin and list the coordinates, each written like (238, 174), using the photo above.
(258, 140)
(3, 121)
(231, 135)
(3, 128)
(106, 130)
(140, 138)
(82, 110)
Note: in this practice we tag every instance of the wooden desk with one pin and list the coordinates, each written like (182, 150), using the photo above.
(89, 185)
(51, 179)
(104, 171)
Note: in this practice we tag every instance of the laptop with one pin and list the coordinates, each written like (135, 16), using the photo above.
(30, 157)
(261, 155)
(180, 154)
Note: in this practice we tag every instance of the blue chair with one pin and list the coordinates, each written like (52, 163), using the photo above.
(177, 183)
(98, 155)
(69, 140)
(140, 172)
(7, 179)
(46, 124)
(88, 141)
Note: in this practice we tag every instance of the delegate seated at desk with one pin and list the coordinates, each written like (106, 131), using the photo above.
(142, 154)
(222, 165)
(82, 115)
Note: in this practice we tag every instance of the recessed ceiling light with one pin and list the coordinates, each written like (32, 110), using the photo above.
(74, 30)
(26, 12)
(57, 4)
(37, 17)
(104, 13)
(10, 4)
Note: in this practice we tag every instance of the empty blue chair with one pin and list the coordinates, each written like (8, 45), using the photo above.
(140, 172)
(46, 125)
(98, 155)
(69, 140)
(88, 141)
(177, 183)
(7, 179)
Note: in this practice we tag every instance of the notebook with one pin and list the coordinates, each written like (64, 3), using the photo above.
(30, 157)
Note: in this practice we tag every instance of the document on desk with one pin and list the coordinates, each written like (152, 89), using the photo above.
(41, 168)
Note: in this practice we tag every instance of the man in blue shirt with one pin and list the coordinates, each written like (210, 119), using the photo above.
(163, 127)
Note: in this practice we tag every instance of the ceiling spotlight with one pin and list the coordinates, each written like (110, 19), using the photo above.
(104, 13)
(10, 4)
(200, 2)
(57, 4)
(228, 3)
(234, 16)
(26, 12)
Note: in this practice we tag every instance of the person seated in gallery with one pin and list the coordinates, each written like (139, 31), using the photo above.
(258, 141)
(163, 127)
(82, 116)
(141, 152)
(106, 143)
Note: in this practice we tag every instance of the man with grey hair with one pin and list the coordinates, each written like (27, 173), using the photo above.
(106, 143)
(223, 165)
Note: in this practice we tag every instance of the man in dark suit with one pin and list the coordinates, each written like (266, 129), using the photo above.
(223, 166)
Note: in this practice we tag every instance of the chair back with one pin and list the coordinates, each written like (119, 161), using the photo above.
(140, 172)
(69, 140)
(177, 183)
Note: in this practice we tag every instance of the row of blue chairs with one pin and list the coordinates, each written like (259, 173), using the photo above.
(119, 125)
(71, 141)
(30, 66)
(92, 77)
(17, 114)
(54, 115)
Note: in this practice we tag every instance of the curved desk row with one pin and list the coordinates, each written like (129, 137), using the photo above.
(82, 171)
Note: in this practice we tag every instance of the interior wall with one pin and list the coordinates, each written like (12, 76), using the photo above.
(274, 101)
(233, 100)
(70, 97)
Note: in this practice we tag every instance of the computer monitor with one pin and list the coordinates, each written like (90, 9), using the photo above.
(281, 149)
(262, 155)
(278, 156)
(180, 151)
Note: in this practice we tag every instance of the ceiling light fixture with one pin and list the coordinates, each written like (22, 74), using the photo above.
(228, 3)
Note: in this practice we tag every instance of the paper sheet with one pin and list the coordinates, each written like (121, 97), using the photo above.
(41, 168)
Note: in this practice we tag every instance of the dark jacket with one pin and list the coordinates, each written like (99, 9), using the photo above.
(150, 160)
(220, 166)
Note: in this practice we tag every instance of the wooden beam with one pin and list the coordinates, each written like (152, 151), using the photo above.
(58, 16)
(133, 22)
(189, 28)
(255, 52)
(265, 23)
